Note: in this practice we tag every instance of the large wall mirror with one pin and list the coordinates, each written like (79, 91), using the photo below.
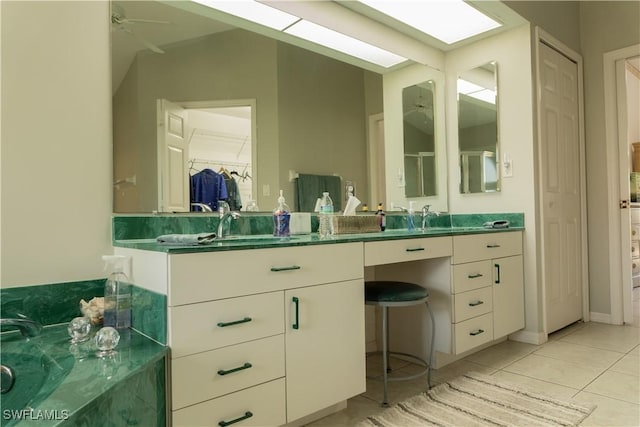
(478, 138)
(308, 112)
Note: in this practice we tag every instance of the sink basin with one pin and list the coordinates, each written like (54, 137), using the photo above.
(36, 376)
(258, 238)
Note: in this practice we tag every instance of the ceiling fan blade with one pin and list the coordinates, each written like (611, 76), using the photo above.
(149, 45)
(142, 21)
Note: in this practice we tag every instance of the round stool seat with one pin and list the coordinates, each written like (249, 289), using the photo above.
(393, 292)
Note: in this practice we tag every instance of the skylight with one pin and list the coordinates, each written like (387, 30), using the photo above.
(446, 20)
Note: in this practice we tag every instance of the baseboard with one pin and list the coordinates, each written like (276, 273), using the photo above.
(600, 318)
(529, 337)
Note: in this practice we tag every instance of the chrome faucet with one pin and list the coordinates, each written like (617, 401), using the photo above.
(426, 213)
(225, 212)
(202, 206)
(28, 328)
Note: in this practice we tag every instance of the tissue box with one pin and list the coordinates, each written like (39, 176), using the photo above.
(355, 224)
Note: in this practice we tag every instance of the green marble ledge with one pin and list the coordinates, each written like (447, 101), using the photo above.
(52, 304)
(69, 385)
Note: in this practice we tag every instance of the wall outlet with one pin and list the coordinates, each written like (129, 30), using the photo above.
(349, 189)
(507, 167)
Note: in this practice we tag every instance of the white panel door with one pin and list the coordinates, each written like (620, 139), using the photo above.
(559, 169)
(173, 155)
(325, 346)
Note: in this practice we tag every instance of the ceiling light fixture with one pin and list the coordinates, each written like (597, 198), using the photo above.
(446, 20)
(274, 18)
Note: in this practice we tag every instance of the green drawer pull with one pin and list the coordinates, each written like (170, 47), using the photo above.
(235, 322)
(293, 267)
(473, 304)
(491, 246)
(474, 276)
(478, 332)
(231, 371)
(497, 266)
(296, 324)
(246, 416)
(414, 249)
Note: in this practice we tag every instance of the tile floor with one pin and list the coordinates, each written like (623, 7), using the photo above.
(587, 362)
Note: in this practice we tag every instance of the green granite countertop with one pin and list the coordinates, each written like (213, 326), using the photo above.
(58, 379)
(239, 242)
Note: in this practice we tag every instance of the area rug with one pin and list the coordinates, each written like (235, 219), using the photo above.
(478, 400)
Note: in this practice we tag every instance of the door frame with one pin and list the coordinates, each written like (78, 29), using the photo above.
(618, 226)
(542, 36)
(224, 103)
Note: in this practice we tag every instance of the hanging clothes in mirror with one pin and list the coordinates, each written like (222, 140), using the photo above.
(233, 191)
(207, 187)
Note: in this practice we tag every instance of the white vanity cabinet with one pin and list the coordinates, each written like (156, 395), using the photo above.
(261, 336)
(487, 288)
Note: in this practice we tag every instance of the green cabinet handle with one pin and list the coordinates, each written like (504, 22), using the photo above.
(296, 323)
(246, 415)
(235, 322)
(497, 266)
(474, 276)
(247, 365)
(478, 332)
(414, 249)
(492, 246)
(475, 303)
(292, 267)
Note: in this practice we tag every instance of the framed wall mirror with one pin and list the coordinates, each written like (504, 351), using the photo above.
(478, 137)
(418, 135)
(415, 144)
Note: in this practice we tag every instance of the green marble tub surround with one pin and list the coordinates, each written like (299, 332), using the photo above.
(90, 390)
(50, 303)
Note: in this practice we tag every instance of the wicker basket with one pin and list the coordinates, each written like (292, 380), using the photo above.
(355, 224)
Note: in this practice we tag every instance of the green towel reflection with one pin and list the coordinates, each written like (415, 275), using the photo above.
(310, 187)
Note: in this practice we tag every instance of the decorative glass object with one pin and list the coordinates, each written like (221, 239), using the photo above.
(79, 329)
(107, 339)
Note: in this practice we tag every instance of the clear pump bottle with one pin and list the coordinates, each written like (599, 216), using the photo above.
(281, 218)
(117, 294)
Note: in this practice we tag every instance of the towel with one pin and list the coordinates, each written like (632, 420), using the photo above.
(310, 187)
(186, 239)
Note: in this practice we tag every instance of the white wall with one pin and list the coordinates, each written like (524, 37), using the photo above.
(56, 141)
(604, 27)
(512, 52)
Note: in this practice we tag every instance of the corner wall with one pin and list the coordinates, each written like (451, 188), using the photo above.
(56, 141)
(512, 52)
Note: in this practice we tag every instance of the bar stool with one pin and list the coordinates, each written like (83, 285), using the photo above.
(398, 294)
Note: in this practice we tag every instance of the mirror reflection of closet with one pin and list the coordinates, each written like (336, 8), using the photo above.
(221, 140)
(478, 129)
(419, 140)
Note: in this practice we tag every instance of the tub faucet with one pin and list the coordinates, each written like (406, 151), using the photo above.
(28, 328)
(426, 213)
(225, 212)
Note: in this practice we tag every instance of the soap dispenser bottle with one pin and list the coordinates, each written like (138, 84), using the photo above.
(117, 294)
(281, 217)
(382, 221)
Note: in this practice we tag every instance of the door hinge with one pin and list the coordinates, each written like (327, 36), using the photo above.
(624, 204)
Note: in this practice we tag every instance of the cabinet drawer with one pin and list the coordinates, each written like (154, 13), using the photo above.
(391, 251)
(476, 247)
(197, 277)
(203, 376)
(473, 332)
(635, 249)
(262, 405)
(470, 276)
(215, 324)
(472, 303)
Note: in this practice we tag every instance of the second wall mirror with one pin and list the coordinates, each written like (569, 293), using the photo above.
(478, 138)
